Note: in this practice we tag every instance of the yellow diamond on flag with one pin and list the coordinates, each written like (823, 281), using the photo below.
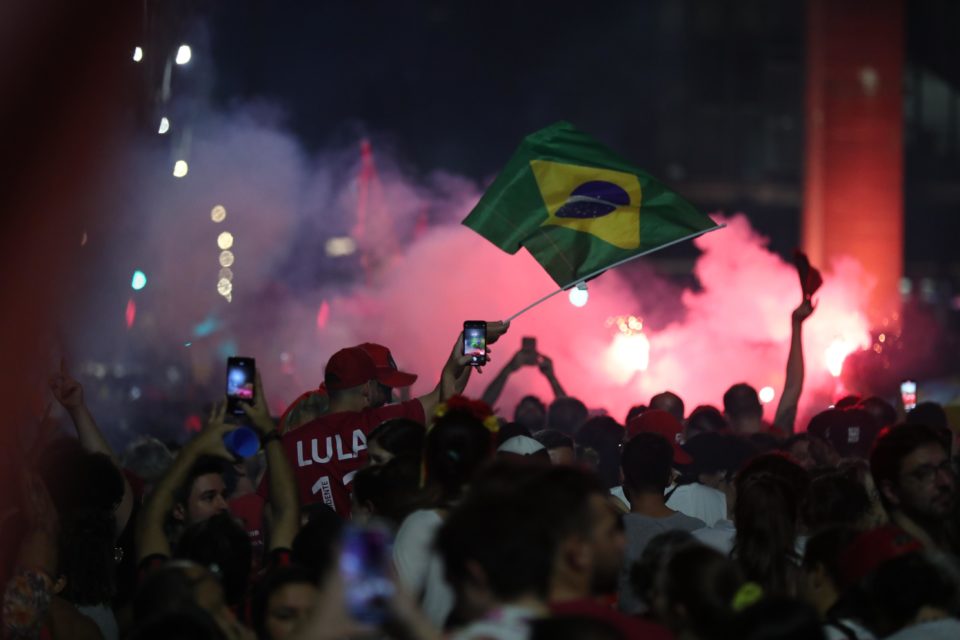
(602, 202)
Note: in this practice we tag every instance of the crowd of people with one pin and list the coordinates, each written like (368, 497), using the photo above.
(443, 516)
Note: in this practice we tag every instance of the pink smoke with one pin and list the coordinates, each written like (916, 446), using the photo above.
(418, 283)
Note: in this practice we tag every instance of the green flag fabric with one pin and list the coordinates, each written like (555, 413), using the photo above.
(578, 208)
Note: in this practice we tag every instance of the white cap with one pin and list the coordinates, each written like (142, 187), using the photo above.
(520, 445)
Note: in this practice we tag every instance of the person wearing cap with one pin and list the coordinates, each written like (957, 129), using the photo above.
(327, 452)
(647, 463)
(314, 403)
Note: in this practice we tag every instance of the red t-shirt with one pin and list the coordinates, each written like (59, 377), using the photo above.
(631, 628)
(327, 452)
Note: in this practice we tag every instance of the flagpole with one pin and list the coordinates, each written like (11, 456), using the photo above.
(613, 266)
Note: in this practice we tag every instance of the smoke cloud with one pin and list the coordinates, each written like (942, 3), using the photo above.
(417, 275)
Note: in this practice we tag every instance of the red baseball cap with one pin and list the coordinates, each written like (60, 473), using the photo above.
(349, 368)
(387, 372)
(663, 424)
(872, 548)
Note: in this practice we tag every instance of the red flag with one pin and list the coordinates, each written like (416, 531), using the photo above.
(810, 278)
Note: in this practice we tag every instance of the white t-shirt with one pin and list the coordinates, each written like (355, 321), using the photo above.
(420, 568)
(720, 536)
(695, 500)
(945, 629)
(699, 501)
(504, 623)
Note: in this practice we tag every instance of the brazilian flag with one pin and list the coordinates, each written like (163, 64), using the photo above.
(578, 208)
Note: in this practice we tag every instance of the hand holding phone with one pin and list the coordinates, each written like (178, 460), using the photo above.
(475, 342)
(241, 383)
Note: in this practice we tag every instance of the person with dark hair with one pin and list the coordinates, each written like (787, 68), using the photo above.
(559, 446)
(567, 415)
(394, 438)
(847, 402)
(182, 586)
(916, 596)
(931, 414)
(511, 430)
(457, 446)
(766, 533)
(928, 414)
(315, 545)
(824, 582)
(494, 557)
(388, 492)
(69, 394)
(587, 544)
(193, 489)
(859, 471)
(742, 408)
(882, 411)
(282, 598)
(203, 493)
(221, 545)
(917, 485)
(836, 499)
(670, 402)
(705, 419)
(86, 567)
(531, 412)
(647, 461)
(599, 441)
(634, 411)
(717, 458)
(645, 571)
(800, 448)
(696, 591)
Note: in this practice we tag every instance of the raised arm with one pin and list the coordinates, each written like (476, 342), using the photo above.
(69, 393)
(786, 414)
(456, 371)
(492, 393)
(150, 535)
(545, 365)
(284, 501)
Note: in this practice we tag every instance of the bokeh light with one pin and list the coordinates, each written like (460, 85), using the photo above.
(180, 168)
(579, 295)
(184, 54)
(139, 280)
(218, 213)
(137, 54)
(224, 287)
(767, 395)
(164, 125)
(226, 258)
(225, 241)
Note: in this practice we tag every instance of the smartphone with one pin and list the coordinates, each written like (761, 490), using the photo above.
(365, 559)
(475, 342)
(528, 349)
(908, 394)
(241, 378)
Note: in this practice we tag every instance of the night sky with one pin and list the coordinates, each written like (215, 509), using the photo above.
(666, 84)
